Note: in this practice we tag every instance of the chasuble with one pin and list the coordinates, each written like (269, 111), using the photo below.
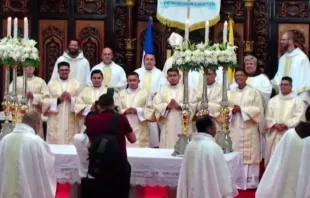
(137, 99)
(282, 109)
(171, 120)
(62, 123)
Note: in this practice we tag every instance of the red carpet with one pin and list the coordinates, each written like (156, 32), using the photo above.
(63, 191)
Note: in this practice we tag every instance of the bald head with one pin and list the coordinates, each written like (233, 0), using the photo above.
(33, 119)
(287, 41)
(290, 35)
(107, 55)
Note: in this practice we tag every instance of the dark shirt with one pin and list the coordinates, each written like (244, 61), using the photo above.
(97, 123)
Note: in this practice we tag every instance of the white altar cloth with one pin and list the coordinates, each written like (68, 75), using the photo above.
(153, 167)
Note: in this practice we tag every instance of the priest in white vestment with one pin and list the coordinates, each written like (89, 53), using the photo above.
(287, 172)
(256, 78)
(214, 93)
(132, 103)
(79, 65)
(27, 164)
(295, 64)
(151, 79)
(86, 99)
(204, 172)
(114, 75)
(284, 112)
(247, 112)
(58, 106)
(168, 109)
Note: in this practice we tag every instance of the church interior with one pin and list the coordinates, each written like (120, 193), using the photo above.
(121, 25)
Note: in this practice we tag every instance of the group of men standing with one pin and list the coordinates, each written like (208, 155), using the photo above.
(152, 100)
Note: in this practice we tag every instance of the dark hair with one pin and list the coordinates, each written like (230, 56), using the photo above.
(203, 123)
(241, 70)
(213, 70)
(96, 71)
(287, 78)
(133, 74)
(74, 40)
(106, 100)
(148, 54)
(173, 70)
(63, 63)
(307, 114)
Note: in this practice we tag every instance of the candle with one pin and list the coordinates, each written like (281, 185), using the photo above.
(26, 28)
(187, 24)
(225, 32)
(207, 32)
(15, 27)
(9, 26)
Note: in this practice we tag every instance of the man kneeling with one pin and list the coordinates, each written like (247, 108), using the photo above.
(204, 172)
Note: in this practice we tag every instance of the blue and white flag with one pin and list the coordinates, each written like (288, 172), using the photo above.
(148, 42)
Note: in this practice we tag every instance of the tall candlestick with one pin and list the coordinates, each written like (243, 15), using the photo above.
(225, 32)
(187, 24)
(9, 27)
(26, 28)
(15, 27)
(207, 32)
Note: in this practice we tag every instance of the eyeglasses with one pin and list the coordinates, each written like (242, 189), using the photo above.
(63, 70)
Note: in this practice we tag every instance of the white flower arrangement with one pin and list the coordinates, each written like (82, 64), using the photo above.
(187, 57)
(18, 52)
(227, 57)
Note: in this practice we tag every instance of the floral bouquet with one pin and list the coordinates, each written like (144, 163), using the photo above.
(187, 57)
(209, 55)
(226, 55)
(18, 52)
(30, 54)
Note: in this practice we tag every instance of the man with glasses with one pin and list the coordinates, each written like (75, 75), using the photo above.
(58, 106)
(295, 64)
(284, 112)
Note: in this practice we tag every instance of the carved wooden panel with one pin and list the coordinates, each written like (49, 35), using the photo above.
(261, 29)
(53, 42)
(147, 7)
(301, 33)
(91, 36)
(53, 6)
(292, 9)
(119, 29)
(20, 6)
(159, 40)
(233, 6)
(90, 6)
(238, 38)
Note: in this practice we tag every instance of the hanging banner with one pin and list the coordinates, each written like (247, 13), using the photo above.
(173, 13)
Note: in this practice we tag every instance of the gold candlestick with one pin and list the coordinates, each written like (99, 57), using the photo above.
(14, 107)
(204, 103)
(6, 99)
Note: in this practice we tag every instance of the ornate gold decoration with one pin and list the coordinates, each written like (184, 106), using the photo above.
(249, 3)
(130, 3)
(185, 109)
(130, 44)
(6, 99)
(248, 46)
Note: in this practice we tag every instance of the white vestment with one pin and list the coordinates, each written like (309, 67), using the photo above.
(281, 175)
(27, 165)
(204, 172)
(81, 143)
(118, 79)
(303, 185)
(297, 66)
(79, 68)
(152, 84)
(260, 82)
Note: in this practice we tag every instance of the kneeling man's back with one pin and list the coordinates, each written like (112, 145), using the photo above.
(27, 165)
(204, 172)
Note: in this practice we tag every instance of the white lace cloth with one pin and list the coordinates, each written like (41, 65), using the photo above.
(153, 167)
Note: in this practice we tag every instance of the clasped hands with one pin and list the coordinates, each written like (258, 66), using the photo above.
(65, 96)
(173, 105)
(280, 127)
(131, 111)
(236, 109)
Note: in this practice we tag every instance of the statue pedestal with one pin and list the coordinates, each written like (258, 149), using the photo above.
(180, 146)
(6, 129)
(223, 139)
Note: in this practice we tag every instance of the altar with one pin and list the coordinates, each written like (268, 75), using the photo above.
(150, 167)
